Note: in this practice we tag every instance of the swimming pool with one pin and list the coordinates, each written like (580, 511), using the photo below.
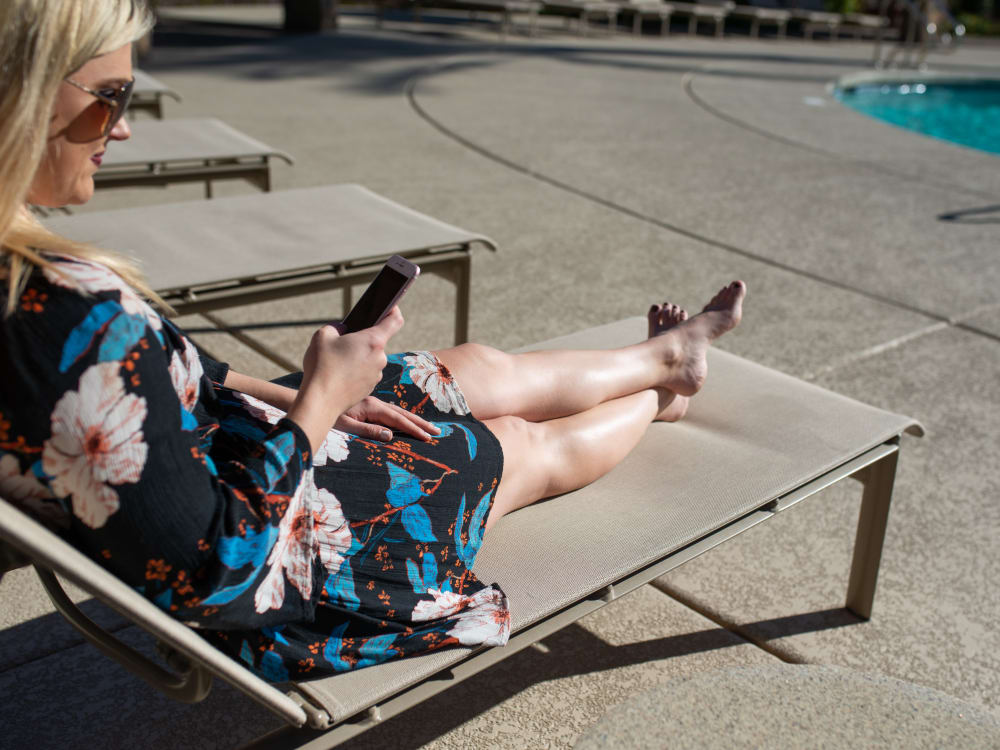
(961, 110)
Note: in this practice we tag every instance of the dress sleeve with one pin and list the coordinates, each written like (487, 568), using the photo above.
(210, 530)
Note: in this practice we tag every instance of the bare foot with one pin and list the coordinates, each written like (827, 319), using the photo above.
(685, 344)
(661, 319)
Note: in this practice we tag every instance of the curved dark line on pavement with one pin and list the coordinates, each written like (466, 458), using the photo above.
(410, 90)
(873, 167)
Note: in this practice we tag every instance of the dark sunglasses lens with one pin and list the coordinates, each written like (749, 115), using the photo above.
(113, 114)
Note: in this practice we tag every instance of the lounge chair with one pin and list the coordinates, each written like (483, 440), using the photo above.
(204, 256)
(715, 11)
(760, 15)
(507, 9)
(200, 149)
(643, 9)
(755, 443)
(148, 94)
(585, 11)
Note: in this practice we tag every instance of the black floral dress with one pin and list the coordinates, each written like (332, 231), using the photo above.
(116, 433)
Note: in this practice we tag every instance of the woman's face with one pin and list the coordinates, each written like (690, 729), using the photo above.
(75, 145)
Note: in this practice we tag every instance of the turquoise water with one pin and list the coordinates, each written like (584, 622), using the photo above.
(967, 113)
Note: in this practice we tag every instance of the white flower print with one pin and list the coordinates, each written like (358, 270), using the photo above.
(96, 441)
(480, 618)
(185, 375)
(314, 524)
(487, 621)
(291, 554)
(333, 533)
(93, 278)
(261, 409)
(334, 448)
(433, 378)
(445, 604)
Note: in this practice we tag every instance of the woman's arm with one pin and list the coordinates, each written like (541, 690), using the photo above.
(369, 417)
(279, 396)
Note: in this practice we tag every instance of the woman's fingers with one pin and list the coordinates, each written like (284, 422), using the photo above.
(363, 429)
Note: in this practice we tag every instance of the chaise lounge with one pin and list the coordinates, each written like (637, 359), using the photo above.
(755, 443)
(197, 149)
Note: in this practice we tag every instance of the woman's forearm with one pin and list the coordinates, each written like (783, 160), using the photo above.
(276, 395)
(312, 408)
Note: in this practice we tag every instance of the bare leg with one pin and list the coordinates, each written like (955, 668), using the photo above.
(542, 459)
(545, 385)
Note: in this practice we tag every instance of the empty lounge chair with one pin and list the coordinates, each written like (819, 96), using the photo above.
(199, 149)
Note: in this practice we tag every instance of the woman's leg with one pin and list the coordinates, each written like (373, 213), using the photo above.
(537, 386)
(542, 459)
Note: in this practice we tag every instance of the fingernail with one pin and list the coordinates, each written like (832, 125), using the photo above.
(386, 435)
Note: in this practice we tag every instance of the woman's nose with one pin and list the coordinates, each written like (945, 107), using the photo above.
(121, 131)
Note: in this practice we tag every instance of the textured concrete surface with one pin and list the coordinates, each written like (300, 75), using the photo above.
(612, 172)
(804, 706)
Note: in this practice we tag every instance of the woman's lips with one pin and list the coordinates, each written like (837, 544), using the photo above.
(97, 158)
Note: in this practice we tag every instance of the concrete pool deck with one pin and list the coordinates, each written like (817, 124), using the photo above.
(614, 171)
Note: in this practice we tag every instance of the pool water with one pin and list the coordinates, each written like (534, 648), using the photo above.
(963, 112)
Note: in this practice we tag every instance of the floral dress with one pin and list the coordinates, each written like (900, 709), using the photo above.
(117, 434)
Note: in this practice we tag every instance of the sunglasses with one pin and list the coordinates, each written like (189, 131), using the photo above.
(113, 106)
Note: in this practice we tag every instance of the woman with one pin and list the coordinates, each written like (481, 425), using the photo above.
(305, 530)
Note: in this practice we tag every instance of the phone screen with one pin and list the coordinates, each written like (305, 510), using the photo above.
(376, 299)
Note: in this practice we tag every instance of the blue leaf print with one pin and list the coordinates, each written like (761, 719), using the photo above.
(397, 359)
(470, 438)
(447, 428)
(275, 634)
(244, 427)
(340, 587)
(331, 651)
(121, 336)
(278, 453)
(428, 580)
(164, 600)
(418, 523)
(80, 338)
(430, 570)
(467, 552)
(376, 650)
(210, 464)
(477, 519)
(271, 667)
(246, 654)
(188, 422)
(413, 573)
(404, 487)
(235, 552)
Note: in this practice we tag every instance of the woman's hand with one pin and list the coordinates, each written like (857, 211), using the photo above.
(338, 372)
(371, 417)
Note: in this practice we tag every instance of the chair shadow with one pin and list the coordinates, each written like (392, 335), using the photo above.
(572, 651)
(973, 215)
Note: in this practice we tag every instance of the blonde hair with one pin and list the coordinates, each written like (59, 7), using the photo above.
(41, 43)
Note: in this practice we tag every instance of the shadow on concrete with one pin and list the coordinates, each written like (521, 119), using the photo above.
(269, 54)
(99, 685)
(573, 651)
(980, 215)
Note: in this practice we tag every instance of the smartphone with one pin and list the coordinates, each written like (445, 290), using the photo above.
(385, 291)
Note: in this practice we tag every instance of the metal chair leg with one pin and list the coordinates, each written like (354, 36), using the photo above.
(872, 521)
